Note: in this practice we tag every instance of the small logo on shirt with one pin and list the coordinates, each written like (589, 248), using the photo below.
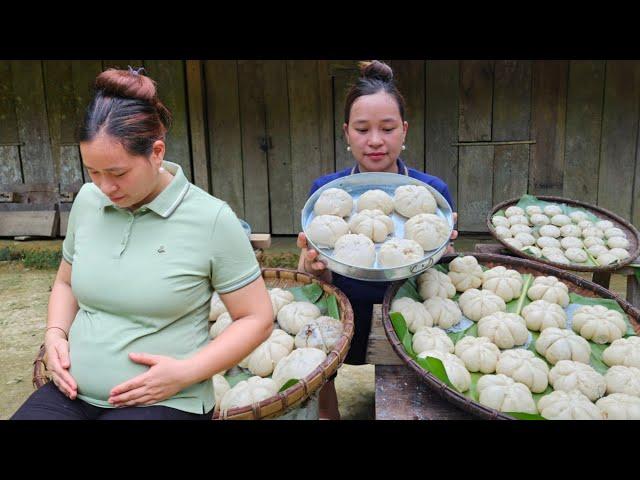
(161, 249)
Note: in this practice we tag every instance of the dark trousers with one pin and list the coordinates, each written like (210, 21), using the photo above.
(49, 403)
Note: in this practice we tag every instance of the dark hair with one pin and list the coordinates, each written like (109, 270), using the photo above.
(375, 76)
(126, 107)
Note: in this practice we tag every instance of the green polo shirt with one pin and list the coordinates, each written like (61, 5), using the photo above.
(143, 281)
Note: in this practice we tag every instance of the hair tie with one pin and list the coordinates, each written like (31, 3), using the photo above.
(135, 71)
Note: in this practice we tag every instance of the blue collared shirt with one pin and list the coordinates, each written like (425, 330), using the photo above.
(361, 291)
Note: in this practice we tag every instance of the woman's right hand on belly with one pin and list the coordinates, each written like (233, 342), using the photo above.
(57, 362)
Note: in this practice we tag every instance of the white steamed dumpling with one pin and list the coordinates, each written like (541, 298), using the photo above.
(622, 379)
(545, 241)
(592, 232)
(216, 307)
(607, 258)
(375, 200)
(577, 217)
(513, 210)
(429, 230)
(294, 315)
(502, 393)
(551, 210)
(465, 273)
(571, 242)
(322, 333)
(550, 289)
(458, 375)
(523, 366)
(541, 314)
(604, 224)
(620, 406)
(556, 344)
(614, 232)
(525, 239)
(220, 387)
(560, 220)
(620, 253)
(518, 220)
(433, 283)
(504, 282)
(539, 219)
(559, 258)
(476, 304)
(373, 224)
(531, 250)
(248, 392)
(399, 251)
(549, 231)
(585, 224)
(297, 365)
(519, 228)
(503, 232)
(514, 243)
(559, 405)
(569, 231)
(415, 314)
(592, 241)
(264, 358)
(533, 209)
(324, 230)
(618, 242)
(444, 311)
(479, 354)
(431, 338)
(599, 324)
(624, 351)
(223, 321)
(279, 298)
(567, 375)
(506, 330)
(500, 221)
(576, 255)
(355, 249)
(334, 201)
(597, 250)
(411, 200)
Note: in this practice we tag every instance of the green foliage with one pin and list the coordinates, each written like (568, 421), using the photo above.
(40, 259)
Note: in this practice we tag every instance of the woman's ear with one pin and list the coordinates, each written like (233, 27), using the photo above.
(345, 130)
(157, 153)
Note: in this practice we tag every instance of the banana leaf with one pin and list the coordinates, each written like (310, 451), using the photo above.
(235, 379)
(289, 383)
(308, 293)
(333, 309)
(400, 327)
(435, 367)
(409, 289)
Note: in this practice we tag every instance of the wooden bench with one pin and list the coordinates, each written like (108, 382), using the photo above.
(601, 278)
(400, 393)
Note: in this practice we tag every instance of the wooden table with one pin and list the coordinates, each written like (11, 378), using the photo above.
(601, 278)
(400, 393)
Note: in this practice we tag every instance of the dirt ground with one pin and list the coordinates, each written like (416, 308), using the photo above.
(24, 296)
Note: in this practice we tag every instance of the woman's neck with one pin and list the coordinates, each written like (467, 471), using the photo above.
(393, 168)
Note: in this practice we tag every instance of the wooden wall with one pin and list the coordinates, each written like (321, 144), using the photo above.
(257, 133)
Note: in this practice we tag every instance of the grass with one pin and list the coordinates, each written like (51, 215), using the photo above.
(39, 259)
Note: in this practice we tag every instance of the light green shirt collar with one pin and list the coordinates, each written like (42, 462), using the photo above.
(167, 200)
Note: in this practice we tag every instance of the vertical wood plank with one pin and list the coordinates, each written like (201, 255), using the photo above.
(254, 160)
(225, 143)
(511, 100)
(61, 111)
(475, 187)
(342, 81)
(476, 93)
(8, 120)
(511, 172)
(548, 116)
(31, 114)
(327, 140)
(10, 165)
(304, 120)
(635, 213)
(511, 116)
(619, 136)
(170, 79)
(276, 97)
(441, 122)
(410, 79)
(197, 125)
(584, 127)
(9, 154)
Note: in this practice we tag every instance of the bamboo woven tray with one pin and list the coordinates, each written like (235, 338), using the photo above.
(282, 402)
(630, 231)
(576, 284)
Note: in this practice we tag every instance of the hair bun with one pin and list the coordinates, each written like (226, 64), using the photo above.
(376, 70)
(127, 84)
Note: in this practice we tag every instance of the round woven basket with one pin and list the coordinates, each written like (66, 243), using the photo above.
(293, 396)
(630, 231)
(576, 284)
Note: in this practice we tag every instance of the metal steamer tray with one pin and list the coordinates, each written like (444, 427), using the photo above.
(356, 185)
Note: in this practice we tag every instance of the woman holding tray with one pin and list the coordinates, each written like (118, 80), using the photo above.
(127, 328)
(375, 129)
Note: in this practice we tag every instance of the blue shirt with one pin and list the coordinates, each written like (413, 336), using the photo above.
(360, 291)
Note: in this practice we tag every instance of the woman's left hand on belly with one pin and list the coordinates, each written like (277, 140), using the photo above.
(164, 379)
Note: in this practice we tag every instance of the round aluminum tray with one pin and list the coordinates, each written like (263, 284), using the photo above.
(356, 185)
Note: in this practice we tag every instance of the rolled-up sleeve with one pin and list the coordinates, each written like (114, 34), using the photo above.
(233, 261)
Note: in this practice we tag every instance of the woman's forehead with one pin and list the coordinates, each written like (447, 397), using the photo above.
(376, 107)
(105, 154)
